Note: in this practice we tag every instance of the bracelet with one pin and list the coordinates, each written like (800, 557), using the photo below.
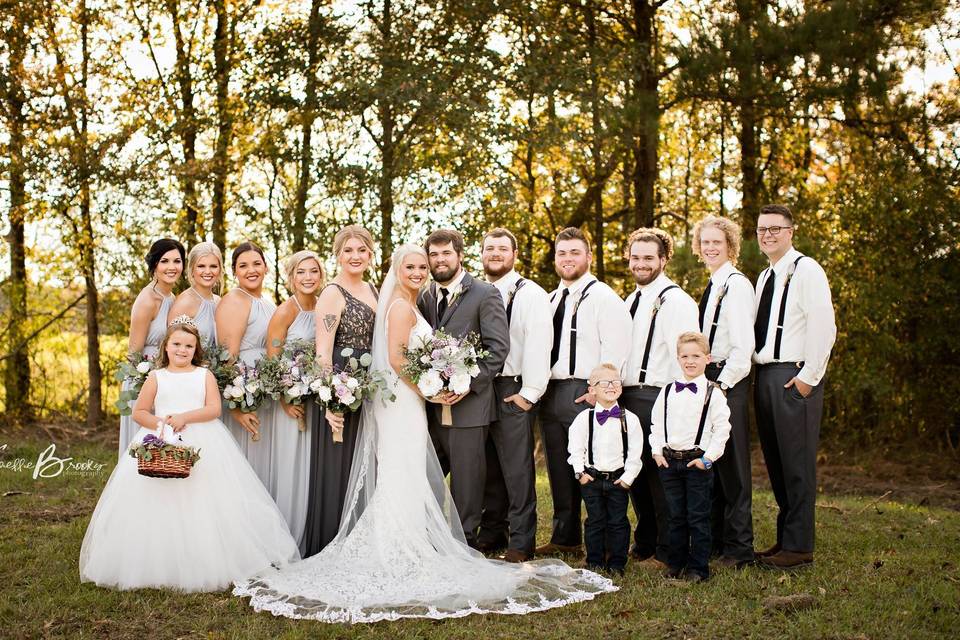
(707, 463)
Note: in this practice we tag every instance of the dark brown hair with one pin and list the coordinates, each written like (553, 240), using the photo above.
(662, 239)
(778, 209)
(161, 247)
(163, 359)
(242, 248)
(500, 232)
(444, 236)
(573, 233)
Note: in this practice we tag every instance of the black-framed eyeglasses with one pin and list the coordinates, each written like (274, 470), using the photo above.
(606, 384)
(774, 231)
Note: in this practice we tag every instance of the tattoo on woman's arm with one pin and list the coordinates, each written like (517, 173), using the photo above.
(330, 321)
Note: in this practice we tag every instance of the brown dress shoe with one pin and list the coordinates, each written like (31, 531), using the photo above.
(516, 556)
(732, 563)
(551, 549)
(775, 549)
(787, 560)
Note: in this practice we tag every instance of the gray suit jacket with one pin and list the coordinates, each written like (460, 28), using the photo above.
(479, 309)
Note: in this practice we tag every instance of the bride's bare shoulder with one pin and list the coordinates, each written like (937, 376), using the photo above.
(401, 311)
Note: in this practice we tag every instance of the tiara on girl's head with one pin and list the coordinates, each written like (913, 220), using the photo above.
(185, 319)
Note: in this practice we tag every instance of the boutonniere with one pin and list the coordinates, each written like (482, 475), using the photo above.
(455, 296)
(721, 293)
(656, 306)
(790, 273)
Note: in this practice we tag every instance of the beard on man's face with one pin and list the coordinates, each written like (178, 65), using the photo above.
(646, 277)
(444, 273)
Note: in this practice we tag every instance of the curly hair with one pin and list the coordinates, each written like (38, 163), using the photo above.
(661, 238)
(731, 230)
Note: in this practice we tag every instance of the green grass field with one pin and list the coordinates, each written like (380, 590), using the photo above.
(883, 570)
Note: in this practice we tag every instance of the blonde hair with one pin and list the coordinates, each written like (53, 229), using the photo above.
(693, 337)
(731, 230)
(600, 369)
(290, 268)
(350, 232)
(402, 252)
(202, 250)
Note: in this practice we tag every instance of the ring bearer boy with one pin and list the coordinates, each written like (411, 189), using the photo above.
(605, 448)
(690, 426)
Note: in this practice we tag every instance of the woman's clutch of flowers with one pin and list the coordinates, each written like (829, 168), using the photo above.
(441, 362)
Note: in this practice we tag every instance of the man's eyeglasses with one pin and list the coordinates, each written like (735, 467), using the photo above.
(774, 231)
(606, 384)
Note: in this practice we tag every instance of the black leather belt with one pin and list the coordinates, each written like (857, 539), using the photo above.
(603, 475)
(683, 456)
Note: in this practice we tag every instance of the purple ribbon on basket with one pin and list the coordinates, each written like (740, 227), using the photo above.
(154, 440)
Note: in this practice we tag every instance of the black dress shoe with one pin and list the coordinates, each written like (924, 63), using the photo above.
(516, 556)
(637, 554)
(673, 573)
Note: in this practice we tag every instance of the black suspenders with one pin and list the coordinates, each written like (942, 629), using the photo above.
(573, 327)
(623, 435)
(513, 295)
(703, 414)
(716, 312)
(783, 309)
(653, 324)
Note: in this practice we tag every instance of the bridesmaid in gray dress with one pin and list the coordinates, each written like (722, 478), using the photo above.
(148, 317)
(205, 273)
(345, 317)
(242, 318)
(290, 447)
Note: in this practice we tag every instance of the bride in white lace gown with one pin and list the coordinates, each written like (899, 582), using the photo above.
(400, 551)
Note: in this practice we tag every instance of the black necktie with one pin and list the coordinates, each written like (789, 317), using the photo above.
(442, 307)
(703, 301)
(636, 303)
(558, 327)
(763, 312)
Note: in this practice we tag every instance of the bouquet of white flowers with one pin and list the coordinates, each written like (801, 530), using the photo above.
(133, 371)
(443, 363)
(245, 391)
(346, 389)
(290, 374)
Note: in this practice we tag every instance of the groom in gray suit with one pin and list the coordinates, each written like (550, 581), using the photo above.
(458, 304)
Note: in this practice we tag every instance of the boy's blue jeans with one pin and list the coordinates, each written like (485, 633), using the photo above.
(606, 531)
(689, 493)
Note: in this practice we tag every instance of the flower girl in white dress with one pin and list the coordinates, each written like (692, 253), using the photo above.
(198, 533)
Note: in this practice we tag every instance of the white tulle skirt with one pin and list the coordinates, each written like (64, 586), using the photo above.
(193, 534)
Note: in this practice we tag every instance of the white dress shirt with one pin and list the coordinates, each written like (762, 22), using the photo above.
(809, 327)
(603, 329)
(607, 444)
(683, 419)
(531, 334)
(733, 342)
(679, 313)
(453, 288)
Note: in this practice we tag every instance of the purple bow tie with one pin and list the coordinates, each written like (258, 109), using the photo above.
(686, 385)
(608, 413)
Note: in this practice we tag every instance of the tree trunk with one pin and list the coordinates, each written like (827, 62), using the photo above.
(86, 240)
(596, 145)
(746, 67)
(387, 144)
(647, 112)
(186, 127)
(308, 116)
(17, 370)
(222, 64)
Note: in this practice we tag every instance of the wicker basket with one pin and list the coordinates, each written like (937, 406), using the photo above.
(165, 465)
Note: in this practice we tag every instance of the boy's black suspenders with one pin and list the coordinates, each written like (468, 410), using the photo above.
(703, 414)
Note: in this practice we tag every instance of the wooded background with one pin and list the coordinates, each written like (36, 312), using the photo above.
(280, 121)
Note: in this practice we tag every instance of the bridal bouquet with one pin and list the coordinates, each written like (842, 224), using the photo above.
(288, 376)
(218, 360)
(346, 389)
(133, 371)
(245, 391)
(443, 363)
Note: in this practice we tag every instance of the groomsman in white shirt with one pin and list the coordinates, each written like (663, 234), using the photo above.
(726, 319)
(590, 326)
(510, 498)
(794, 332)
(660, 312)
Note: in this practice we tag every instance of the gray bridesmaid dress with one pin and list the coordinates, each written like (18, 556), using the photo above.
(330, 461)
(253, 346)
(205, 318)
(155, 334)
(290, 447)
